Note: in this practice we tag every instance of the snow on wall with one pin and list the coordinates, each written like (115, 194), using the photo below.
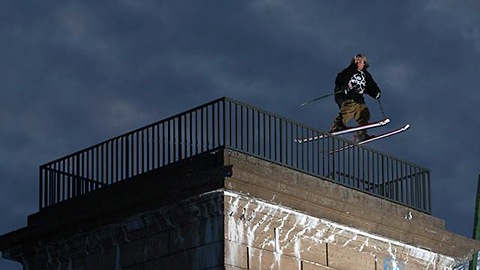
(278, 229)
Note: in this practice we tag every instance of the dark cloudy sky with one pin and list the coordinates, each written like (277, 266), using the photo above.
(74, 73)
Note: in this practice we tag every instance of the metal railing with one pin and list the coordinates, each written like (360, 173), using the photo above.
(226, 123)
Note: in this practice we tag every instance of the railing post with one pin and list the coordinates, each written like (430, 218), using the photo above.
(224, 122)
(476, 226)
(40, 188)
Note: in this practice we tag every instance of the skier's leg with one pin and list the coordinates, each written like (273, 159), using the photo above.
(362, 117)
(362, 114)
(345, 114)
(338, 123)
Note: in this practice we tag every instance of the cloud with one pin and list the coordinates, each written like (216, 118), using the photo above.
(457, 17)
(118, 114)
(397, 75)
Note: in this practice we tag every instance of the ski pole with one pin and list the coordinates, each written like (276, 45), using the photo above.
(318, 98)
(381, 108)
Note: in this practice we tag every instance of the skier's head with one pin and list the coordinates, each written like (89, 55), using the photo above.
(360, 60)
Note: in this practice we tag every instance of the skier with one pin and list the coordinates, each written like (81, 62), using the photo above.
(350, 85)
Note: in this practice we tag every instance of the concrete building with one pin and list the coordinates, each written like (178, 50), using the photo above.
(226, 186)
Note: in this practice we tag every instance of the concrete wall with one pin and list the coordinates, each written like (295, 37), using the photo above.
(353, 208)
(184, 235)
(261, 235)
(228, 210)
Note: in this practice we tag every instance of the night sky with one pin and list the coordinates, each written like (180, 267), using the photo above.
(75, 73)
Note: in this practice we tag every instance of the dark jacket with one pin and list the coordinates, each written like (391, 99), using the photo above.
(344, 91)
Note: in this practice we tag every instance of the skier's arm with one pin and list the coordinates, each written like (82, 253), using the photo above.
(372, 88)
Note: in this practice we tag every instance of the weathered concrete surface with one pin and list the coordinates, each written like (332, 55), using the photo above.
(183, 235)
(330, 201)
(261, 235)
(227, 210)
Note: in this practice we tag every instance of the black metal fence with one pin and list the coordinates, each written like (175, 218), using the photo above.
(225, 123)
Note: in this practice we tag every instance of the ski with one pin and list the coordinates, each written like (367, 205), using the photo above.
(377, 137)
(387, 134)
(348, 130)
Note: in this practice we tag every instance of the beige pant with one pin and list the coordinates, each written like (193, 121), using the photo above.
(349, 110)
